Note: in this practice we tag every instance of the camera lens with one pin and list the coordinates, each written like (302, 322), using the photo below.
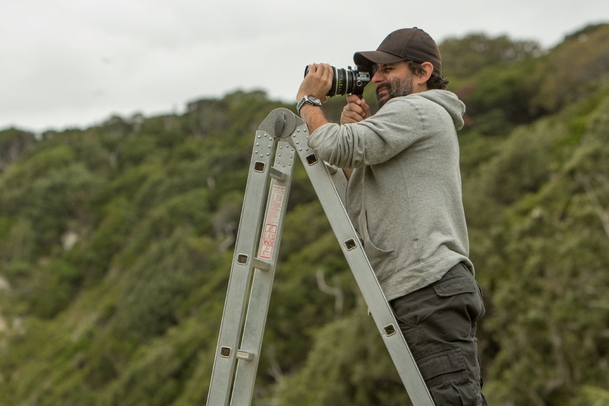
(347, 81)
(342, 82)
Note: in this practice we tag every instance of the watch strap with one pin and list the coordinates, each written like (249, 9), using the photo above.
(307, 100)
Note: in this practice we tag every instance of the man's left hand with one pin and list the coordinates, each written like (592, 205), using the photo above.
(317, 82)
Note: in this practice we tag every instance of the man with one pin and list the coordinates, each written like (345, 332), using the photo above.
(404, 198)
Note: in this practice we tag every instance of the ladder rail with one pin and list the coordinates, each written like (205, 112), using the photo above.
(242, 269)
(262, 283)
(245, 263)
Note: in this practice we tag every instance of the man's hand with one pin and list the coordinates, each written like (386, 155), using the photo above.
(317, 82)
(355, 111)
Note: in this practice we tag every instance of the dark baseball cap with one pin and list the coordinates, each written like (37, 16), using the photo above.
(412, 44)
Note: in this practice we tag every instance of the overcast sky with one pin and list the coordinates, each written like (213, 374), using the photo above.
(74, 63)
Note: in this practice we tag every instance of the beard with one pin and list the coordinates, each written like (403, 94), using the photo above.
(394, 88)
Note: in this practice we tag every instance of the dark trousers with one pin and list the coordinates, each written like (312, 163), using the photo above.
(439, 324)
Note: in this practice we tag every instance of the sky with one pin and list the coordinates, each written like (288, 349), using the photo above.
(75, 63)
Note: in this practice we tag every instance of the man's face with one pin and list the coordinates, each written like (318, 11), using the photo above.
(392, 80)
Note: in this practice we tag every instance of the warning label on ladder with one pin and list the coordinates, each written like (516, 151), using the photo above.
(271, 226)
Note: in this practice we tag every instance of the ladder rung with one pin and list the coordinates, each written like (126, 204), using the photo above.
(278, 175)
(259, 264)
(244, 355)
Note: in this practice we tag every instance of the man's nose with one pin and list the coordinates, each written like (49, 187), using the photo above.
(378, 77)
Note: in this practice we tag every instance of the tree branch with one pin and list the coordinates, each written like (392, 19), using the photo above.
(335, 291)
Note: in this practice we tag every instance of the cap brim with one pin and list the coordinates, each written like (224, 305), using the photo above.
(375, 57)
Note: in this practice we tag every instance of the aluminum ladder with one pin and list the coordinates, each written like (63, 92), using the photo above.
(283, 135)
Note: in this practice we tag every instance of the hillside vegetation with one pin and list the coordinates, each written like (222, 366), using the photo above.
(116, 243)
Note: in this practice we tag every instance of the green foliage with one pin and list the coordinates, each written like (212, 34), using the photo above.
(13, 143)
(502, 92)
(572, 71)
(547, 281)
(49, 289)
(466, 56)
(357, 369)
(116, 245)
(596, 396)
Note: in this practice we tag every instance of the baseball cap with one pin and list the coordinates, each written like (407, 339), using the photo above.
(412, 44)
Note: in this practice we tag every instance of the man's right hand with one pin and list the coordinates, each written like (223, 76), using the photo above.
(355, 111)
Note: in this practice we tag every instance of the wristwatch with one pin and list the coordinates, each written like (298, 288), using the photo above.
(309, 99)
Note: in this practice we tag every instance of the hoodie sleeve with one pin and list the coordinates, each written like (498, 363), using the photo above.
(377, 139)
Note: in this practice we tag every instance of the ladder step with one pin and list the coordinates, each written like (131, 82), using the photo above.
(244, 355)
(278, 175)
(260, 264)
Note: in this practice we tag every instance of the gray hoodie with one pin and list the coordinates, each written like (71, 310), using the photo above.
(404, 198)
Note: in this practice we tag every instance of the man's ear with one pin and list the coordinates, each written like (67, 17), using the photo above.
(428, 70)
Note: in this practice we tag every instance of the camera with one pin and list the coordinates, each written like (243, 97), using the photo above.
(348, 81)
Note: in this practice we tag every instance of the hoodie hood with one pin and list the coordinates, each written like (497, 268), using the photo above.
(449, 101)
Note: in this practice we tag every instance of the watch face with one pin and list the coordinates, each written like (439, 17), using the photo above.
(314, 99)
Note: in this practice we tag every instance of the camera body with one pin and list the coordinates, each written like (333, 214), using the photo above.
(348, 81)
